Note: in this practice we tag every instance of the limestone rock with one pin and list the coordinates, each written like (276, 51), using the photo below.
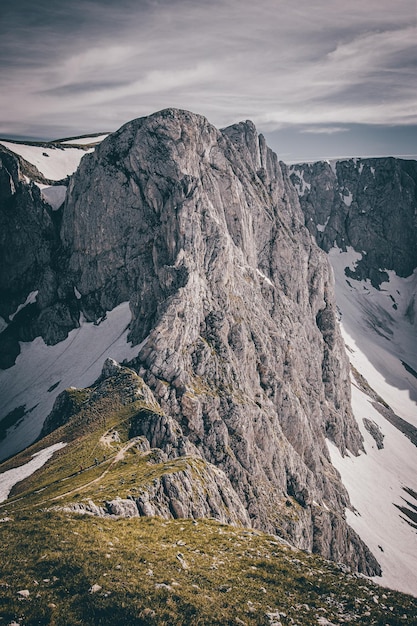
(195, 489)
(205, 236)
(232, 310)
(65, 406)
(28, 238)
(122, 508)
(368, 204)
(198, 490)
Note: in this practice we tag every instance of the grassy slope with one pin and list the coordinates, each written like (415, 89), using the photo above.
(150, 570)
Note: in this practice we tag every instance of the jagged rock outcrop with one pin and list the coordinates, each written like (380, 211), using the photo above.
(232, 311)
(183, 485)
(375, 431)
(369, 204)
(29, 262)
(195, 490)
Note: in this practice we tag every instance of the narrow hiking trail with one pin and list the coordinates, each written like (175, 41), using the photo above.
(118, 457)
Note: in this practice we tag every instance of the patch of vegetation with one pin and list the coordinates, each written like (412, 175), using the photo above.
(83, 570)
(61, 568)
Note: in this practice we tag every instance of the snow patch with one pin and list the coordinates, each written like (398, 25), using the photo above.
(53, 162)
(265, 278)
(347, 197)
(321, 227)
(31, 299)
(53, 195)
(32, 381)
(10, 478)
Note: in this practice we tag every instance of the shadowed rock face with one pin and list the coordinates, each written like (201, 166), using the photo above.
(232, 311)
(369, 204)
(28, 241)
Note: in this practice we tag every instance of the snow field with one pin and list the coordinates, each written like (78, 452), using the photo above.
(378, 336)
(77, 361)
(378, 332)
(53, 163)
(11, 477)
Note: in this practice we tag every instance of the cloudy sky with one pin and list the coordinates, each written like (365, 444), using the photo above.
(318, 78)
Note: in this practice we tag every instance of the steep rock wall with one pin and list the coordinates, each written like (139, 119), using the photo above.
(232, 307)
(368, 204)
(29, 256)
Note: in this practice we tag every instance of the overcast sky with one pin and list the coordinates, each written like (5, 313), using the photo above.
(319, 78)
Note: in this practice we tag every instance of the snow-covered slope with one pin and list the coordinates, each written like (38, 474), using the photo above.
(84, 141)
(11, 477)
(54, 162)
(41, 372)
(380, 326)
(380, 335)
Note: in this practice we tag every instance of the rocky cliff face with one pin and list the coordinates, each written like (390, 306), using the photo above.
(182, 483)
(29, 241)
(232, 312)
(368, 204)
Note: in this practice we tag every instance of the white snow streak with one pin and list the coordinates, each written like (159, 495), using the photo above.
(76, 361)
(265, 278)
(11, 477)
(31, 299)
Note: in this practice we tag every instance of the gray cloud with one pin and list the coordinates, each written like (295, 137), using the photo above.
(97, 64)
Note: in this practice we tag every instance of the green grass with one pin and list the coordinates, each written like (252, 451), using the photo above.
(152, 571)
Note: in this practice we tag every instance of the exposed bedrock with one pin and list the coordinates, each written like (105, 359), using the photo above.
(368, 204)
(232, 310)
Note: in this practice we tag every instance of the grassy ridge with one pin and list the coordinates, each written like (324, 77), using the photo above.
(83, 570)
(60, 568)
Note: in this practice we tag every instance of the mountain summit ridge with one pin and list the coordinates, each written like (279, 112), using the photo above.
(232, 309)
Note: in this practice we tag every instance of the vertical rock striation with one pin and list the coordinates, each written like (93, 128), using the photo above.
(232, 310)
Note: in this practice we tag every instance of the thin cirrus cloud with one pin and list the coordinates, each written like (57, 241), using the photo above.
(324, 130)
(91, 66)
